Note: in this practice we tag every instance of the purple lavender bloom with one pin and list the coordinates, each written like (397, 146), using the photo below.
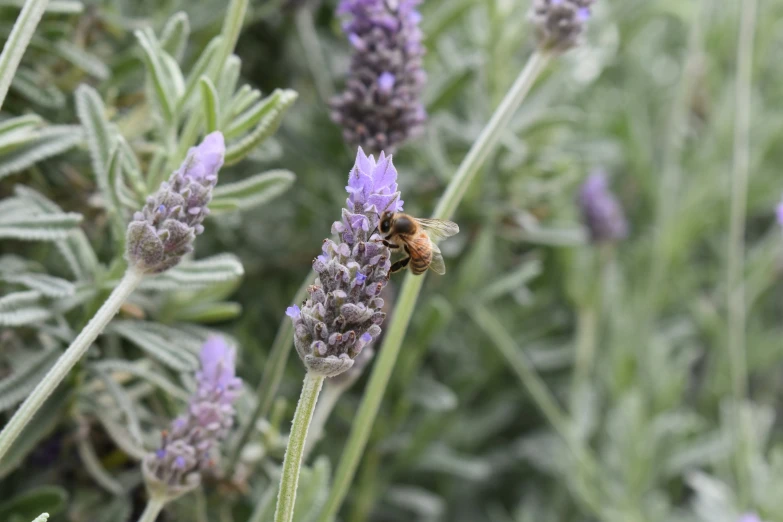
(191, 445)
(559, 24)
(601, 212)
(343, 313)
(165, 228)
(381, 106)
(779, 213)
(749, 517)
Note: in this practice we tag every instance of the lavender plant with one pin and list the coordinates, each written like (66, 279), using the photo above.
(343, 313)
(381, 107)
(191, 447)
(601, 212)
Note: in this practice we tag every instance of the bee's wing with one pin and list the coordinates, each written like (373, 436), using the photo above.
(437, 265)
(438, 228)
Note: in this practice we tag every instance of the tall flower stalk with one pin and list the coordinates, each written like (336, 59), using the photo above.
(158, 237)
(343, 313)
(545, 15)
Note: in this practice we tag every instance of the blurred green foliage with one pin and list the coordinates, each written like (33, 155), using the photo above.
(650, 99)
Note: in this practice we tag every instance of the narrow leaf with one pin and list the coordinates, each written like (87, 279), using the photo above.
(193, 274)
(82, 59)
(17, 42)
(255, 190)
(28, 504)
(160, 348)
(47, 285)
(100, 135)
(175, 34)
(266, 127)
(197, 71)
(49, 141)
(152, 60)
(210, 103)
(15, 388)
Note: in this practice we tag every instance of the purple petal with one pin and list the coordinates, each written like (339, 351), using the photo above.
(293, 312)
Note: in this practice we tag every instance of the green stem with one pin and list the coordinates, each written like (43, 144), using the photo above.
(17, 42)
(379, 379)
(153, 509)
(292, 463)
(68, 360)
(543, 400)
(586, 326)
(313, 55)
(736, 243)
(329, 397)
(271, 377)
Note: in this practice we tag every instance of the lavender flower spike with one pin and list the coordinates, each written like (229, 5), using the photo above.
(165, 228)
(749, 517)
(191, 446)
(559, 24)
(601, 212)
(779, 213)
(381, 106)
(343, 313)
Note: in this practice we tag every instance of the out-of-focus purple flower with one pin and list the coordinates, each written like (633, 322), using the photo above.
(164, 230)
(381, 106)
(749, 517)
(343, 312)
(601, 212)
(191, 446)
(559, 24)
(779, 213)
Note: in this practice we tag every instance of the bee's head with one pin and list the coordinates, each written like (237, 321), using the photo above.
(385, 225)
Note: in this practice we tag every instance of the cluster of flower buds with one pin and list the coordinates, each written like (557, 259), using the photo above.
(164, 230)
(601, 212)
(191, 446)
(381, 106)
(343, 313)
(559, 24)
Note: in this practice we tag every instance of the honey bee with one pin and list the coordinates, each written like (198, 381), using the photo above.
(414, 237)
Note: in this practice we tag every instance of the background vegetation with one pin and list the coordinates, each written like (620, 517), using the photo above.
(542, 379)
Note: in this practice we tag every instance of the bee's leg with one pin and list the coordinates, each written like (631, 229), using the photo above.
(399, 265)
(391, 245)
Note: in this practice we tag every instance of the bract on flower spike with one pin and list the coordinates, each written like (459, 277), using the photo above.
(381, 106)
(191, 445)
(164, 230)
(343, 312)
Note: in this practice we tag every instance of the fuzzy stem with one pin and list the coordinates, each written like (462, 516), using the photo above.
(153, 509)
(68, 360)
(292, 463)
(17, 42)
(270, 379)
(379, 379)
(331, 394)
(736, 244)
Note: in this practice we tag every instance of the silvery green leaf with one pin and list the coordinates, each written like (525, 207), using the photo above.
(29, 503)
(433, 395)
(203, 272)
(42, 424)
(46, 143)
(207, 312)
(28, 121)
(523, 274)
(92, 465)
(50, 227)
(175, 34)
(197, 71)
(270, 119)
(19, 308)
(47, 285)
(714, 501)
(15, 138)
(253, 191)
(443, 459)
(162, 87)
(117, 433)
(210, 103)
(173, 75)
(158, 347)
(313, 490)
(422, 503)
(39, 90)
(100, 133)
(226, 82)
(15, 388)
(82, 59)
(240, 102)
(123, 403)
(142, 371)
(245, 120)
(54, 6)
(43, 517)
(119, 509)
